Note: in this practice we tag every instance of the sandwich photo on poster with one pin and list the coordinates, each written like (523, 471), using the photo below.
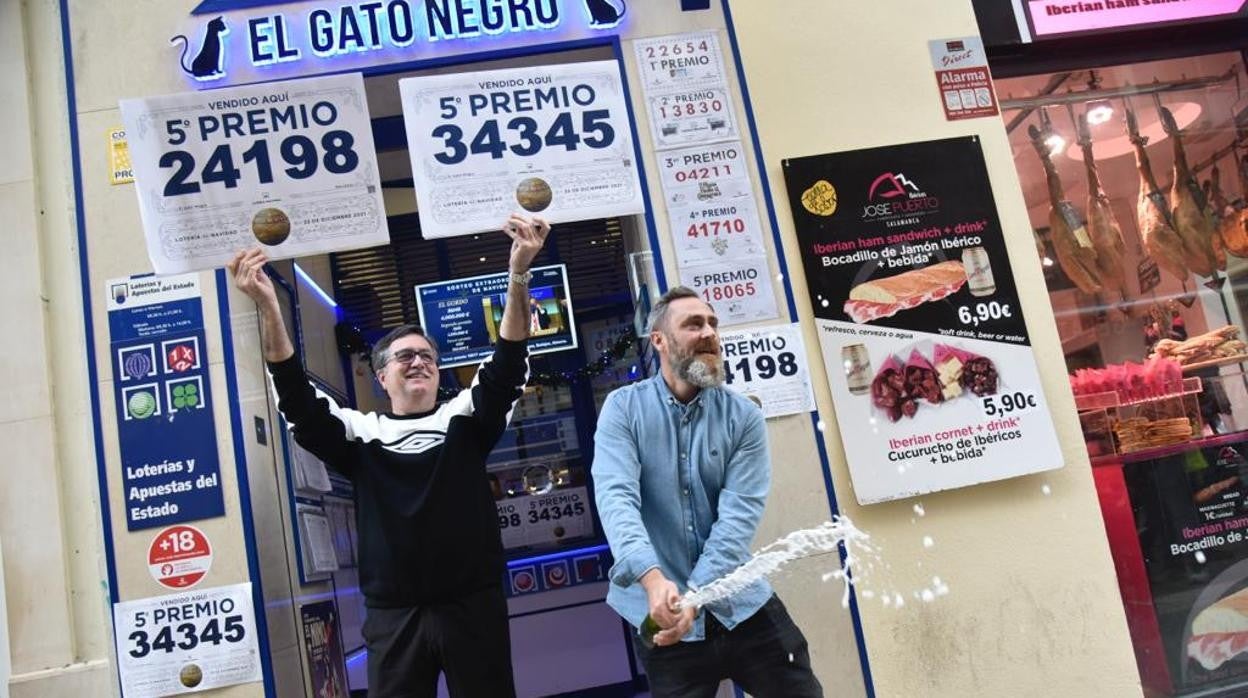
(927, 352)
(1208, 648)
(464, 315)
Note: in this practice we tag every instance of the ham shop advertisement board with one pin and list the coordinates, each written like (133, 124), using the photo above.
(927, 354)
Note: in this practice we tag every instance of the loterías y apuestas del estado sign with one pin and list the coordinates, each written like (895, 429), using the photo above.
(228, 42)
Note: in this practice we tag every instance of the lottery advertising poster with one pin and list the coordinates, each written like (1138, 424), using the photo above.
(542, 502)
(739, 289)
(554, 141)
(289, 165)
(928, 358)
(686, 89)
(165, 428)
(187, 642)
(323, 644)
(768, 366)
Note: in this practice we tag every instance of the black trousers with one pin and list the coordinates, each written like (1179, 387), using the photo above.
(468, 639)
(766, 655)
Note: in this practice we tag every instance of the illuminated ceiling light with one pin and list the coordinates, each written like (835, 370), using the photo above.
(1051, 138)
(1047, 261)
(1100, 111)
(1117, 144)
(1055, 142)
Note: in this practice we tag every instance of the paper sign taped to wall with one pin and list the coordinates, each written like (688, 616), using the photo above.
(287, 165)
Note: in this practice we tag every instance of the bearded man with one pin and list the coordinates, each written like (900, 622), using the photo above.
(681, 473)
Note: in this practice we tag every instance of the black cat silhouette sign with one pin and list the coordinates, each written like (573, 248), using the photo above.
(209, 61)
(604, 14)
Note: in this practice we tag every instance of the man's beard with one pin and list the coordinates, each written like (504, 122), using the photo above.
(695, 371)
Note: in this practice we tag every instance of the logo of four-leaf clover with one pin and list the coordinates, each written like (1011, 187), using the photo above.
(185, 395)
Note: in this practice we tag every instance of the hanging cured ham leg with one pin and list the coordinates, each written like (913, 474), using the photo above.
(1103, 228)
(1234, 226)
(1071, 242)
(1189, 210)
(1160, 239)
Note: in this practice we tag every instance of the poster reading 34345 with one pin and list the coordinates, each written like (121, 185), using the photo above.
(188, 642)
(928, 357)
(554, 141)
(290, 165)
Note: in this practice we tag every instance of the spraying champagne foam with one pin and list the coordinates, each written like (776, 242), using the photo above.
(809, 542)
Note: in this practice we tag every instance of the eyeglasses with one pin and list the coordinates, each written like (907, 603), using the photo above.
(410, 356)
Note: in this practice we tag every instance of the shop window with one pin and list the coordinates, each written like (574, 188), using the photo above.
(1149, 294)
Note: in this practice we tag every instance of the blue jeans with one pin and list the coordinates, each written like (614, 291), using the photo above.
(766, 655)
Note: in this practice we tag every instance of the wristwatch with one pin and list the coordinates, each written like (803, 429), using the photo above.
(521, 279)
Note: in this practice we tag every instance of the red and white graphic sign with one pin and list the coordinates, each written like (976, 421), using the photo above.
(181, 357)
(963, 77)
(556, 574)
(523, 581)
(179, 557)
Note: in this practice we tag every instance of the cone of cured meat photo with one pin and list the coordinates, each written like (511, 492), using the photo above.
(879, 298)
(921, 378)
(890, 393)
(979, 375)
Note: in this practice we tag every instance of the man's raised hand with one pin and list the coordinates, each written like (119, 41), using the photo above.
(247, 269)
(527, 234)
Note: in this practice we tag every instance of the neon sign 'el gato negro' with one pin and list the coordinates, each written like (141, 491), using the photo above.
(379, 25)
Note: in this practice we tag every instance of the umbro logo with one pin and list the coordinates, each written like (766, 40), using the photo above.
(417, 442)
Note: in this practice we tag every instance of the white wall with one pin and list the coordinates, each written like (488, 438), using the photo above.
(49, 521)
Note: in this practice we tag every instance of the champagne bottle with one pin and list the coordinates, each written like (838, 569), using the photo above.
(647, 631)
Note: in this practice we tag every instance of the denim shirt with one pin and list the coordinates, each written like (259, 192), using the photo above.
(680, 487)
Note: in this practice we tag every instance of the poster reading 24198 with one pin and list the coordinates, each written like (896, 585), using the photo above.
(288, 165)
(554, 141)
